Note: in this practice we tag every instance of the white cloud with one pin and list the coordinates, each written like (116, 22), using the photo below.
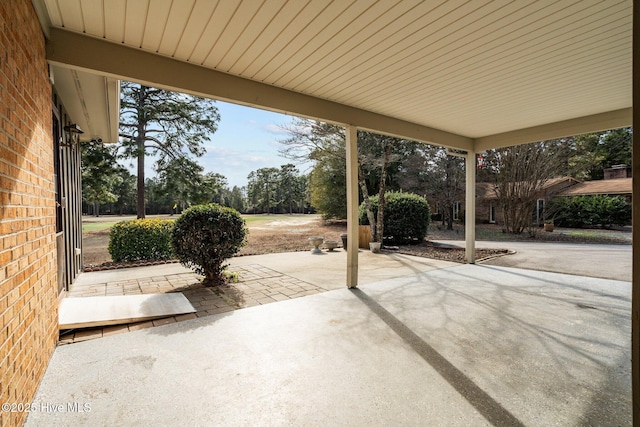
(272, 128)
(216, 149)
(234, 157)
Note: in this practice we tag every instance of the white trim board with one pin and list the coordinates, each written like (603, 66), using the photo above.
(87, 312)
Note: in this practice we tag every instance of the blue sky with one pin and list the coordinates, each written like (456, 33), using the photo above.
(246, 140)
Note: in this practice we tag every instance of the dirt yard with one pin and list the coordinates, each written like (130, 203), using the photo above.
(289, 233)
(284, 233)
(270, 234)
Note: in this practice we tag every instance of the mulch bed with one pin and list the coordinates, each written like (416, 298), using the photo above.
(425, 250)
(445, 253)
(295, 238)
(118, 265)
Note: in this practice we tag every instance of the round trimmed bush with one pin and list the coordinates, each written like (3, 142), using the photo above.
(406, 217)
(204, 236)
(141, 240)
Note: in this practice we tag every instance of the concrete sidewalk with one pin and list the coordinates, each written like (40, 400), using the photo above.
(457, 346)
(327, 270)
(262, 280)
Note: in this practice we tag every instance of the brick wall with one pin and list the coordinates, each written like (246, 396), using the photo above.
(28, 282)
(617, 172)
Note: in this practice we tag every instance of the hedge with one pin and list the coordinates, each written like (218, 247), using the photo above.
(406, 217)
(590, 211)
(141, 240)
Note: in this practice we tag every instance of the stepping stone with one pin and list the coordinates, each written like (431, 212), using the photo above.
(88, 312)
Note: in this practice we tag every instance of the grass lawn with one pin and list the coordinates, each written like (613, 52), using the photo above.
(96, 226)
(582, 233)
(256, 219)
(89, 224)
(494, 233)
(260, 219)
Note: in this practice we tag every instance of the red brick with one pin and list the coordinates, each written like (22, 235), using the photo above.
(28, 300)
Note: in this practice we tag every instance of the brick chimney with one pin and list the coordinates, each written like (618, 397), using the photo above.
(617, 171)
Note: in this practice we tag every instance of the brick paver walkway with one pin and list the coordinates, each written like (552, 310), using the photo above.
(256, 285)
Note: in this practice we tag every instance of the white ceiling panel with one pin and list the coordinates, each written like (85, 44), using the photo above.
(236, 47)
(279, 18)
(92, 17)
(199, 19)
(135, 22)
(217, 24)
(91, 101)
(471, 68)
(176, 25)
(114, 13)
(154, 24)
(372, 29)
(242, 20)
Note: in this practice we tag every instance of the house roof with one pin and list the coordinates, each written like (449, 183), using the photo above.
(487, 190)
(606, 186)
(468, 75)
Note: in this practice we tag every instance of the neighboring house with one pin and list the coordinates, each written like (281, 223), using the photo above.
(488, 206)
(617, 171)
(608, 187)
(617, 182)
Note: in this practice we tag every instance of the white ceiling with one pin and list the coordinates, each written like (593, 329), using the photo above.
(470, 68)
(92, 101)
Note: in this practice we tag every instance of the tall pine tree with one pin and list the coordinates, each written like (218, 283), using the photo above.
(165, 124)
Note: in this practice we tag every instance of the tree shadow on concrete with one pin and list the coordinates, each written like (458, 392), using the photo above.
(490, 409)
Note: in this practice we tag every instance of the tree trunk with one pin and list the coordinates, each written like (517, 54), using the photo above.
(140, 139)
(388, 149)
(367, 204)
(140, 208)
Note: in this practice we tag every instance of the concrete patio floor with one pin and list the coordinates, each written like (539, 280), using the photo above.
(460, 345)
(262, 279)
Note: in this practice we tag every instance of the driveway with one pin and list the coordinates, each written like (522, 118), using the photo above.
(592, 260)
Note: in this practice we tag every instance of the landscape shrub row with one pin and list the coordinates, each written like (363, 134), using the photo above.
(202, 238)
(590, 211)
(141, 240)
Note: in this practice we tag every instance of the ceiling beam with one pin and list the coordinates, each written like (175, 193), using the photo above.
(78, 51)
(594, 123)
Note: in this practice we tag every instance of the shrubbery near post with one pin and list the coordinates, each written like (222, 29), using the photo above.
(141, 240)
(406, 217)
(590, 211)
(205, 236)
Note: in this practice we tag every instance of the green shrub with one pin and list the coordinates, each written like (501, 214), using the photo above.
(205, 236)
(141, 240)
(590, 211)
(406, 217)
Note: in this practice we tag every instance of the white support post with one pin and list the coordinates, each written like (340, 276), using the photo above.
(352, 206)
(470, 208)
(635, 219)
